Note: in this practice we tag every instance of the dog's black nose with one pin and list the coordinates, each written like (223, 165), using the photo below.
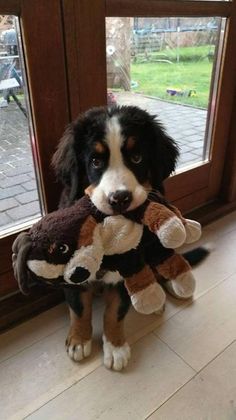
(120, 200)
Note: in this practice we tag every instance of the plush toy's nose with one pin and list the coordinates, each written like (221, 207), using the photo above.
(120, 200)
(80, 275)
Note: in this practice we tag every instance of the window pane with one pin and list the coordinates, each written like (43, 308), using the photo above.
(19, 197)
(168, 66)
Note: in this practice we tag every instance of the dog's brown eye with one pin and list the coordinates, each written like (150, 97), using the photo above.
(63, 248)
(97, 163)
(136, 158)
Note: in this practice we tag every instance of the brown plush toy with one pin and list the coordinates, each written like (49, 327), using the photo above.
(69, 246)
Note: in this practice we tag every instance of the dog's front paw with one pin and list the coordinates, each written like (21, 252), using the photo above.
(78, 349)
(115, 358)
(172, 233)
(193, 231)
(149, 300)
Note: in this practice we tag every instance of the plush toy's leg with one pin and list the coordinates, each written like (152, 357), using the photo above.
(165, 224)
(78, 342)
(147, 296)
(193, 231)
(172, 233)
(180, 280)
(116, 349)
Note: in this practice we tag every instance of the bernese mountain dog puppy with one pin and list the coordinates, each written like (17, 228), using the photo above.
(120, 155)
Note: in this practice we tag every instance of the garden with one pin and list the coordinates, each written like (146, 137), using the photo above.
(164, 58)
(181, 75)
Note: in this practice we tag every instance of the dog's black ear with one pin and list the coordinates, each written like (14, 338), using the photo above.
(20, 250)
(164, 155)
(66, 163)
(64, 159)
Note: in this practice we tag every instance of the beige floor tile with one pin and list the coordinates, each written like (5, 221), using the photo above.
(203, 329)
(42, 371)
(211, 395)
(44, 364)
(137, 325)
(29, 332)
(225, 224)
(220, 264)
(154, 373)
(26, 334)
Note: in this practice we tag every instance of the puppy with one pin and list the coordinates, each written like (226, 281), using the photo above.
(119, 155)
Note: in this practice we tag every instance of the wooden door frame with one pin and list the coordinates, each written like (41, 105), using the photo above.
(48, 91)
(84, 25)
(85, 45)
(80, 82)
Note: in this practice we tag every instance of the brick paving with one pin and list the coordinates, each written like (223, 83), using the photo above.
(185, 124)
(18, 189)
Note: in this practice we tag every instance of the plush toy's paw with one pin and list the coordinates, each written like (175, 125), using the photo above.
(149, 300)
(115, 358)
(193, 231)
(161, 311)
(78, 349)
(183, 286)
(172, 233)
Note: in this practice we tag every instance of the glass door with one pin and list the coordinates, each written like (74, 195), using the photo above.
(169, 67)
(20, 190)
(175, 58)
(33, 114)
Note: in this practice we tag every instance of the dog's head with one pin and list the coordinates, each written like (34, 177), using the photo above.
(118, 154)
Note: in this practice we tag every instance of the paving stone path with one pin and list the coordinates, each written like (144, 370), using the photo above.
(185, 124)
(18, 189)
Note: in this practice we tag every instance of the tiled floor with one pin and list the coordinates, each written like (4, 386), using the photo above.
(183, 363)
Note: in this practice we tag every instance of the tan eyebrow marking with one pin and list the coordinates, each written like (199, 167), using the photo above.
(130, 143)
(99, 147)
(88, 191)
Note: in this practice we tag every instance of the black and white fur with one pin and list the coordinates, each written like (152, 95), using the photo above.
(119, 154)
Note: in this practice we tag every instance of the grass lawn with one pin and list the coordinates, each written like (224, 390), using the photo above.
(153, 78)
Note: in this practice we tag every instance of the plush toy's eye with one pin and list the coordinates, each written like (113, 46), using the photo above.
(97, 163)
(63, 248)
(136, 158)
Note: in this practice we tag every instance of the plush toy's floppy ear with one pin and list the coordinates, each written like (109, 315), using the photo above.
(20, 249)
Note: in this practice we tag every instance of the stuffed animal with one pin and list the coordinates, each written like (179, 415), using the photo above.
(69, 246)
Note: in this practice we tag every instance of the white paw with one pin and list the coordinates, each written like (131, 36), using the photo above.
(172, 233)
(115, 358)
(78, 352)
(183, 286)
(149, 300)
(193, 231)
